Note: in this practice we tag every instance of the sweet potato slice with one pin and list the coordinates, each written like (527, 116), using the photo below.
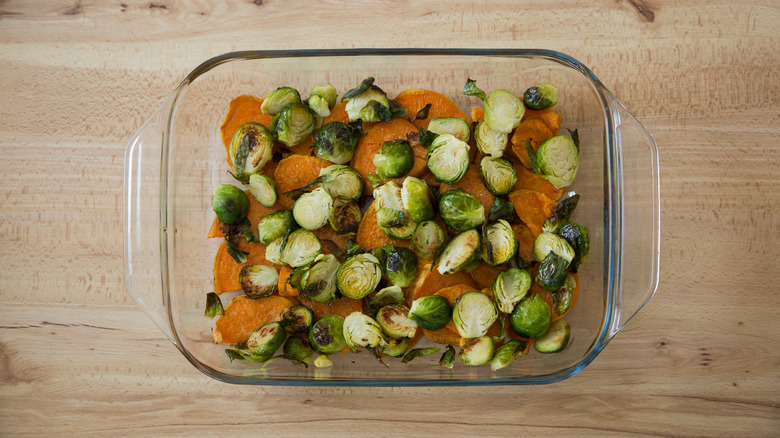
(532, 208)
(529, 180)
(370, 236)
(244, 315)
(525, 241)
(441, 106)
(241, 110)
(294, 172)
(284, 287)
(376, 136)
(485, 275)
(226, 269)
(531, 131)
(477, 114)
(342, 307)
(472, 183)
(548, 116)
(428, 281)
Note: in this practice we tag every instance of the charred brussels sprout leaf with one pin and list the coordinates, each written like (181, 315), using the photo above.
(371, 105)
(419, 352)
(362, 331)
(498, 174)
(293, 124)
(473, 314)
(456, 126)
(577, 236)
(502, 209)
(392, 295)
(336, 142)
(233, 251)
(397, 110)
(477, 351)
(362, 87)
(250, 148)
(266, 340)
(461, 211)
(431, 313)
(552, 272)
(395, 347)
(561, 214)
(345, 216)
(448, 158)
(471, 89)
(503, 111)
(298, 348)
(490, 141)
(312, 210)
(395, 322)
(426, 137)
(358, 276)
(416, 199)
(499, 245)
(423, 113)
(319, 281)
(213, 306)
(460, 252)
(275, 225)
(541, 96)
(297, 320)
(556, 338)
(301, 248)
(401, 266)
(263, 189)
(510, 287)
(376, 111)
(258, 281)
(428, 239)
(448, 358)
(507, 353)
(275, 102)
(531, 317)
(563, 297)
(394, 159)
(326, 336)
(230, 204)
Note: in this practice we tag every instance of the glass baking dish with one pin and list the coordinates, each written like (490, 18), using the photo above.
(176, 158)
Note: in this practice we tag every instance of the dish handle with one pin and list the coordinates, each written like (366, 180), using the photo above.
(142, 218)
(639, 228)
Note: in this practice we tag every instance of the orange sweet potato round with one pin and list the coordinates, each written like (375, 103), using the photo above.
(244, 315)
(441, 106)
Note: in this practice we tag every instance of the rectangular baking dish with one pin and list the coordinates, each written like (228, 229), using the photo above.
(176, 158)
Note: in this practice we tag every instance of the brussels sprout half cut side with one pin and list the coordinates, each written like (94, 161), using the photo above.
(531, 317)
(278, 99)
(336, 142)
(395, 322)
(499, 175)
(297, 319)
(312, 210)
(503, 111)
(477, 351)
(298, 348)
(319, 281)
(301, 248)
(428, 239)
(391, 295)
(326, 336)
(473, 314)
(460, 210)
(507, 353)
(400, 266)
(358, 276)
(263, 189)
(266, 340)
(258, 281)
(557, 160)
(556, 338)
(510, 287)
(362, 331)
(431, 313)
(456, 126)
(293, 124)
(499, 245)
(541, 96)
(547, 242)
(345, 216)
(250, 148)
(448, 158)
(416, 199)
(360, 107)
(489, 141)
(459, 253)
(230, 204)
(341, 182)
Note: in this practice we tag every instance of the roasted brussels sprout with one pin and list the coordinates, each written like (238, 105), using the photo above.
(266, 340)
(258, 281)
(428, 239)
(448, 358)
(323, 362)
(460, 252)
(321, 99)
(395, 347)
(395, 322)
(395, 158)
(448, 158)
(498, 243)
(263, 189)
(336, 142)
(297, 319)
(489, 141)
(419, 352)
(345, 216)
(507, 353)
(326, 336)
(390, 214)
(502, 209)
(377, 111)
(400, 266)
(503, 111)
(541, 96)
(556, 338)
(362, 331)
(477, 351)
(460, 210)
(552, 272)
(473, 314)
(563, 297)
(319, 281)
(361, 97)
(431, 313)
(561, 214)
(302, 248)
(557, 159)
(547, 242)
(250, 148)
(341, 182)
(498, 174)
(312, 210)
(273, 251)
(293, 124)
(456, 126)
(391, 295)
(416, 199)
(298, 348)
(275, 225)
(278, 99)
(577, 236)
(358, 276)
(230, 204)
(510, 287)
(531, 317)
(213, 305)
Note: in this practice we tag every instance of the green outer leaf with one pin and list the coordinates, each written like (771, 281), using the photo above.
(426, 137)
(575, 137)
(471, 89)
(423, 113)
(233, 355)
(397, 110)
(507, 353)
(448, 357)
(418, 352)
(365, 85)
(238, 255)
(532, 158)
(213, 305)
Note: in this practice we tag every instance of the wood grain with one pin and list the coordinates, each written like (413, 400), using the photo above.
(77, 358)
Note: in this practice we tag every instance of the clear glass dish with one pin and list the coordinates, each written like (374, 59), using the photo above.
(176, 158)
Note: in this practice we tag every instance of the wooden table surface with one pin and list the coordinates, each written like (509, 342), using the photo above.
(78, 358)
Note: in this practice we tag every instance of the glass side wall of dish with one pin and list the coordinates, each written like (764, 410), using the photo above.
(368, 223)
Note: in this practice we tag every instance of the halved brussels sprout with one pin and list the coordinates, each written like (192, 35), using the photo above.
(275, 225)
(395, 347)
(312, 210)
(319, 281)
(561, 214)
(400, 266)
(419, 352)
(394, 159)
(326, 336)
(477, 351)
(556, 338)
(547, 242)
(563, 297)
(557, 159)
(344, 216)
(298, 348)
(428, 239)
(499, 245)
(293, 124)
(323, 362)
(507, 353)
(376, 111)
(577, 236)
(213, 305)
(390, 214)
(510, 287)
(416, 199)
(250, 148)
(325, 92)
(541, 96)
(395, 322)
(362, 331)
(341, 182)
(266, 340)
(460, 210)
(275, 102)
(502, 209)
(459, 253)
(503, 111)
(297, 319)
(552, 272)
(456, 126)
(302, 248)
(531, 317)
(448, 358)
(431, 313)
(273, 252)
(230, 204)
(263, 189)
(358, 276)
(391, 295)
(499, 175)
(336, 142)
(473, 314)
(360, 97)
(448, 158)
(489, 141)
(258, 281)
